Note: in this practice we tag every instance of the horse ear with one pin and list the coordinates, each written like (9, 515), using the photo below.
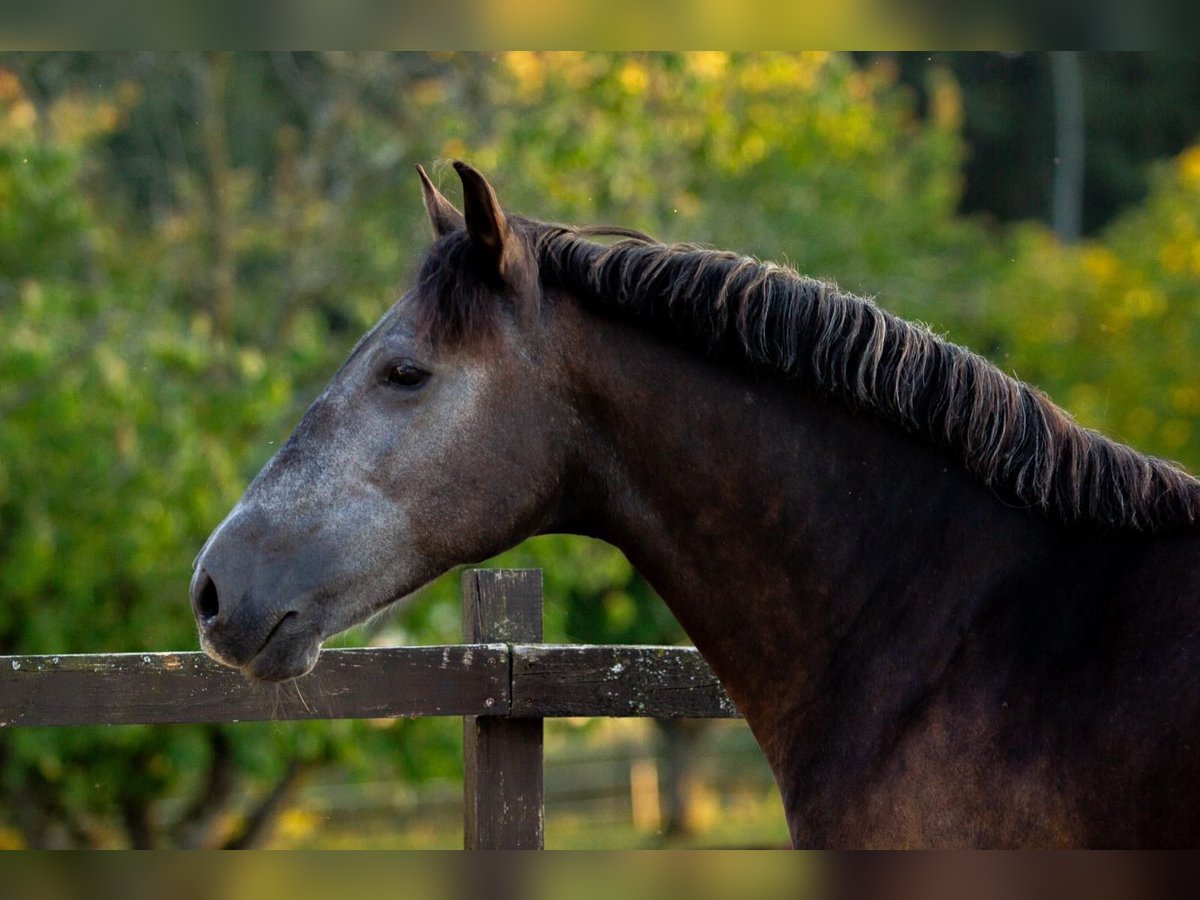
(485, 221)
(442, 214)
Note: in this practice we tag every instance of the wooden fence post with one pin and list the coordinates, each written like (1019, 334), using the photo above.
(502, 757)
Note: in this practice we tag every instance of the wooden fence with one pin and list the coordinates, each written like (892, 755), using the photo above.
(503, 681)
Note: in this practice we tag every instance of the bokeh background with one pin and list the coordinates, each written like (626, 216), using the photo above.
(190, 243)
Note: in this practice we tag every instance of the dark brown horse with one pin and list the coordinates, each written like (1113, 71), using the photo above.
(950, 615)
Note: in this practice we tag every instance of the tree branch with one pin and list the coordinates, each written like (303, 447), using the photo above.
(261, 822)
(198, 828)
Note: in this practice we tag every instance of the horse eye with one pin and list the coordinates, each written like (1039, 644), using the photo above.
(406, 375)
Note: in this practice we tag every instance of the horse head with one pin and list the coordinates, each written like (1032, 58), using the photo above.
(440, 441)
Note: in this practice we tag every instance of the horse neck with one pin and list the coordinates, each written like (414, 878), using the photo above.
(797, 542)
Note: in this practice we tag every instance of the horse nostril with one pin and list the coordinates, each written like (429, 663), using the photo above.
(206, 602)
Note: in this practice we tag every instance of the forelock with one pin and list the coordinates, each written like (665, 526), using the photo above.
(459, 297)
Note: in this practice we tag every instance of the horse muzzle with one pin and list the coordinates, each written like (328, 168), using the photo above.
(266, 642)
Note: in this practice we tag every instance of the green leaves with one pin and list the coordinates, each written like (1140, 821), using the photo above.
(1110, 327)
(127, 430)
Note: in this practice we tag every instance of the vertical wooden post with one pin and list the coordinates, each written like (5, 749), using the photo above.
(502, 757)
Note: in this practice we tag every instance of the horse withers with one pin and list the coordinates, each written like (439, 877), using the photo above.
(950, 615)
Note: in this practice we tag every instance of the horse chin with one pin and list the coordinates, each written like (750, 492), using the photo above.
(288, 653)
(283, 660)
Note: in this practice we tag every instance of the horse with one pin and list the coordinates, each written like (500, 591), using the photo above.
(951, 616)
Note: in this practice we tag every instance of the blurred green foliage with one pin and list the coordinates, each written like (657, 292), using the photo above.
(1110, 327)
(190, 244)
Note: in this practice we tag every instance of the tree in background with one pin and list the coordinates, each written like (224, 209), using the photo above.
(1111, 327)
(1137, 108)
(191, 243)
(136, 393)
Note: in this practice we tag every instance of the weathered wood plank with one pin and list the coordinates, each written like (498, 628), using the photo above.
(502, 758)
(548, 680)
(580, 680)
(148, 688)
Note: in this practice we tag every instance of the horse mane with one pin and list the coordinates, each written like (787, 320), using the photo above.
(769, 317)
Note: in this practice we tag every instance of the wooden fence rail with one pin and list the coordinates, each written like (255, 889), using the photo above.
(503, 681)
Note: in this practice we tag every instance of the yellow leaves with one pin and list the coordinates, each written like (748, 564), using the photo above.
(798, 71)
(73, 117)
(849, 133)
(429, 92)
(251, 363)
(17, 114)
(1185, 399)
(687, 204)
(529, 69)
(19, 118)
(1143, 303)
(1120, 311)
(76, 118)
(754, 78)
(1181, 254)
(574, 68)
(1175, 257)
(759, 78)
(707, 65)
(454, 148)
(1099, 263)
(859, 87)
(753, 149)
(737, 109)
(534, 71)
(10, 87)
(201, 326)
(633, 77)
(1188, 166)
(1121, 290)
(1134, 289)
(297, 824)
(945, 101)
(760, 73)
